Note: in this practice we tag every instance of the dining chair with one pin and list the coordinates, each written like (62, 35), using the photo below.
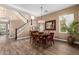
(50, 39)
(32, 35)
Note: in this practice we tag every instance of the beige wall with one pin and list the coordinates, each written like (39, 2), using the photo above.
(15, 20)
(55, 16)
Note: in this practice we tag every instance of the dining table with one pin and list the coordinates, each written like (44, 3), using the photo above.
(42, 38)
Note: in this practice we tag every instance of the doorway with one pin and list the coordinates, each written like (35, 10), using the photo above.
(4, 30)
(4, 26)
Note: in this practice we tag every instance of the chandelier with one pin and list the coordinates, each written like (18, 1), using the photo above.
(41, 11)
(41, 15)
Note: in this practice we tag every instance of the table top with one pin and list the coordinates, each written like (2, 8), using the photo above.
(44, 35)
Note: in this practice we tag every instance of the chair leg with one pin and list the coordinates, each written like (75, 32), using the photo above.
(53, 41)
(30, 40)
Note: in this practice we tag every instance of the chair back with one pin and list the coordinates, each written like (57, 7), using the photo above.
(31, 32)
(51, 35)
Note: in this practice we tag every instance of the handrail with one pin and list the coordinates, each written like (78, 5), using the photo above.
(21, 26)
(22, 15)
(16, 30)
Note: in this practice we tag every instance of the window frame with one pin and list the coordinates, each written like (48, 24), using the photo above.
(59, 22)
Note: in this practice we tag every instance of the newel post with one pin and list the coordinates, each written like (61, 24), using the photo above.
(15, 34)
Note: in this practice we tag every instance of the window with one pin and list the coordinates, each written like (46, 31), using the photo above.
(65, 19)
(2, 28)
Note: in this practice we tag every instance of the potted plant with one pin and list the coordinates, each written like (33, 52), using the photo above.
(72, 30)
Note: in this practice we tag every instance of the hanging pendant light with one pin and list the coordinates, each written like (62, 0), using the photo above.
(41, 11)
(41, 16)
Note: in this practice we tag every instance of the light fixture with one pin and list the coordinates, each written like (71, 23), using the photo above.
(27, 20)
(41, 21)
(41, 11)
(41, 16)
(46, 11)
(32, 17)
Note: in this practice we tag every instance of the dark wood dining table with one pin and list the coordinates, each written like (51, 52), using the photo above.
(42, 38)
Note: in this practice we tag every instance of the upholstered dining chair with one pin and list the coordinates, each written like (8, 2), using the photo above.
(32, 36)
(35, 39)
(50, 38)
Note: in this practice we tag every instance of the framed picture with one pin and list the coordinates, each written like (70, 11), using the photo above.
(50, 25)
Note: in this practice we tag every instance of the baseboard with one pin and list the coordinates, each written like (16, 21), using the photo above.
(20, 37)
(11, 37)
(65, 40)
(60, 39)
(23, 38)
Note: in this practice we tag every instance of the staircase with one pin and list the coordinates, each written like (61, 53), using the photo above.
(20, 30)
(25, 27)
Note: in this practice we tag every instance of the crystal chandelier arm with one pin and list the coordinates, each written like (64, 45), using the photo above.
(41, 11)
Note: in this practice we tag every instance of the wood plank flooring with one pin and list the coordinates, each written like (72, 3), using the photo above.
(23, 47)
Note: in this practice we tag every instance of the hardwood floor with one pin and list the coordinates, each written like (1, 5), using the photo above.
(23, 47)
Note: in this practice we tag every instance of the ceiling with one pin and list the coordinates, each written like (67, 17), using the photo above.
(35, 10)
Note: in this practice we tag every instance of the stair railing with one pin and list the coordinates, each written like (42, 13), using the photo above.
(17, 29)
